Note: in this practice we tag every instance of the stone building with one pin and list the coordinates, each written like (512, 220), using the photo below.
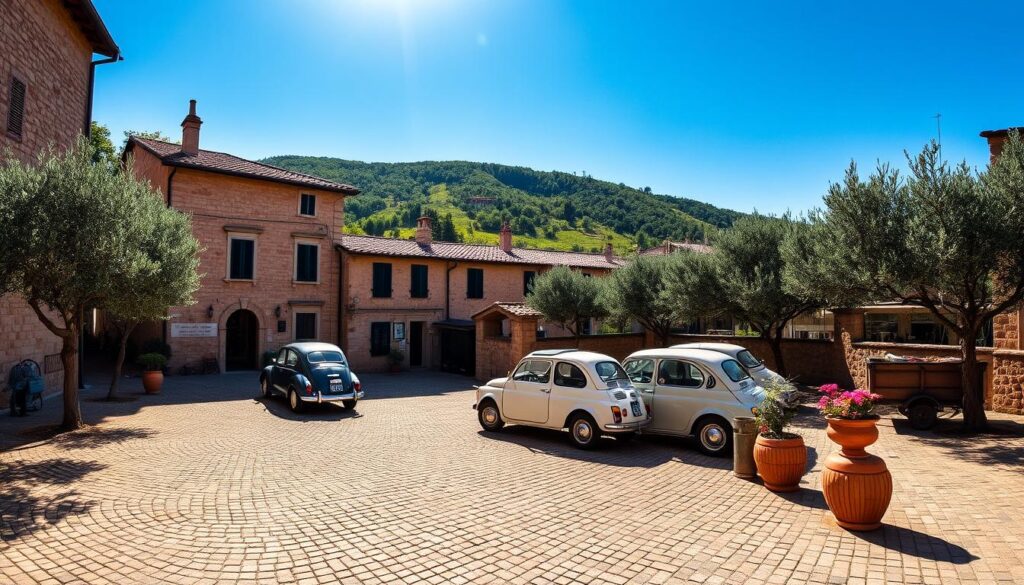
(270, 274)
(419, 296)
(46, 80)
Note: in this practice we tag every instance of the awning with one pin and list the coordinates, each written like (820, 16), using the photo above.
(461, 324)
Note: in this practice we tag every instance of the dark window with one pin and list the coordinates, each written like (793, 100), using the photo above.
(475, 283)
(380, 338)
(535, 371)
(16, 111)
(307, 204)
(418, 290)
(306, 256)
(241, 261)
(528, 277)
(569, 376)
(305, 325)
(381, 279)
(676, 373)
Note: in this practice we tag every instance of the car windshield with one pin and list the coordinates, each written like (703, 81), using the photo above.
(734, 370)
(747, 359)
(316, 357)
(609, 371)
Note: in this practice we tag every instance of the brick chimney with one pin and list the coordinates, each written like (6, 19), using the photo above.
(996, 139)
(424, 231)
(609, 253)
(190, 130)
(505, 238)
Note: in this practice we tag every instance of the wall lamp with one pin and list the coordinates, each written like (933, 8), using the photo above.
(209, 312)
(277, 311)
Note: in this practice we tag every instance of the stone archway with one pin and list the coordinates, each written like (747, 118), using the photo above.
(242, 341)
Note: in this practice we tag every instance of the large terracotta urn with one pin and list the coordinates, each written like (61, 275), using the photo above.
(857, 485)
(780, 462)
(152, 380)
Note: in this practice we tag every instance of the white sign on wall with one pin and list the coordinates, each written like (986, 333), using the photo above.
(193, 330)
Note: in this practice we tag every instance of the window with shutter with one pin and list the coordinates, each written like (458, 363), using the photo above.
(475, 283)
(380, 338)
(241, 258)
(16, 109)
(306, 262)
(307, 205)
(381, 280)
(528, 277)
(305, 326)
(418, 290)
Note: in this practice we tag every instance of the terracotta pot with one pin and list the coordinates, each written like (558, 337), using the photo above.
(780, 462)
(857, 485)
(152, 381)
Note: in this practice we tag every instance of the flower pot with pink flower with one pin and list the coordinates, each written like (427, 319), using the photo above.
(857, 485)
(781, 456)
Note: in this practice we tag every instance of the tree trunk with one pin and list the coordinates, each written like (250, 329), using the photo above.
(974, 389)
(69, 359)
(775, 341)
(119, 364)
(663, 335)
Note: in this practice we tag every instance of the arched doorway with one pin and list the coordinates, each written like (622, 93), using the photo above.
(241, 341)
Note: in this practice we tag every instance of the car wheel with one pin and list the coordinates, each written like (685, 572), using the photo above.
(714, 436)
(265, 389)
(490, 418)
(348, 404)
(293, 401)
(583, 431)
(922, 416)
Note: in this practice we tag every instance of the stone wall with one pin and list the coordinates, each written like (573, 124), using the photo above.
(616, 345)
(808, 361)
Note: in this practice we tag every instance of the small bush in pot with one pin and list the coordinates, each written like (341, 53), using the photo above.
(781, 456)
(856, 484)
(152, 374)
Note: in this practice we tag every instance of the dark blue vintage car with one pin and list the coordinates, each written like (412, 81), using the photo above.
(311, 372)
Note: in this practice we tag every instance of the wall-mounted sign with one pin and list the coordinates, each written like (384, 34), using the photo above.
(398, 331)
(193, 330)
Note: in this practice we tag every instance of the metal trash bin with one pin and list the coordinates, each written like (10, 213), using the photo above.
(744, 435)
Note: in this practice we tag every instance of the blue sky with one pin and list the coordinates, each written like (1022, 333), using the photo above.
(741, 104)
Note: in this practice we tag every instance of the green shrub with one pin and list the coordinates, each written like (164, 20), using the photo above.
(772, 417)
(156, 345)
(152, 362)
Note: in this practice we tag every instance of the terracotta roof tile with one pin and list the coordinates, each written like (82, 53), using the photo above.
(513, 309)
(219, 162)
(378, 246)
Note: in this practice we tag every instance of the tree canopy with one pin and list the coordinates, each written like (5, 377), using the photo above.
(637, 292)
(566, 297)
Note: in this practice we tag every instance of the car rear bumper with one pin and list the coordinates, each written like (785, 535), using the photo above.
(630, 426)
(321, 398)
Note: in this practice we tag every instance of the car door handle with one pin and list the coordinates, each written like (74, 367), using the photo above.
(545, 390)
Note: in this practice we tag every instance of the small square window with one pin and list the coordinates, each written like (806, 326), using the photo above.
(305, 326)
(307, 205)
(306, 262)
(241, 258)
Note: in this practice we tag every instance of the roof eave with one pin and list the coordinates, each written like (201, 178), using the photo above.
(89, 22)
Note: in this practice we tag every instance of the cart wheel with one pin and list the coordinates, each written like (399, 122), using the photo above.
(922, 416)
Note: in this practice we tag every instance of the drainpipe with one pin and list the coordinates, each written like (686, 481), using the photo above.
(170, 185)
(447, 293)
(87, 130)
(341, 293)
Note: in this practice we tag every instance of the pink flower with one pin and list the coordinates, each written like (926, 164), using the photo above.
(858, 399)
(829, 389)
(823, 402)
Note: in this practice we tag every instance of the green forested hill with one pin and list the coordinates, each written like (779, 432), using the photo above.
(546, 209)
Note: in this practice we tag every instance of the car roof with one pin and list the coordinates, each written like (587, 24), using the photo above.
(702, 355)
(587, 357)
(308, 346)
(711, 346)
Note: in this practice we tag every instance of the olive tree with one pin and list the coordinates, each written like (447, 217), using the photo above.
(72, 232)
(166, 277)
(636, 292)
(566, 297)
(944, 238)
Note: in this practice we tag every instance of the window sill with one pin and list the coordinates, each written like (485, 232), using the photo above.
(305, 282)
(242, 280)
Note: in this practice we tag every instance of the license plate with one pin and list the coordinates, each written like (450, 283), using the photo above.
(635, 407)
(336, 386)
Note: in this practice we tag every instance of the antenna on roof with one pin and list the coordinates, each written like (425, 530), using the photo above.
(938, 125)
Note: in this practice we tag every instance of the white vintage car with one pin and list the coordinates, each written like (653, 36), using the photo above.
(758, 371)
(586, 392)
(694, 392)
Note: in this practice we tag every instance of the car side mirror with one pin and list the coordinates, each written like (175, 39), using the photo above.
(273, 360)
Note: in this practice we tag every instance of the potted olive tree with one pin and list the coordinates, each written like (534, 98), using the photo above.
(152, 371)
(395, 359)
(781, 456)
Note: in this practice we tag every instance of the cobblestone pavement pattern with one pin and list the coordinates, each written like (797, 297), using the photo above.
(207, 484)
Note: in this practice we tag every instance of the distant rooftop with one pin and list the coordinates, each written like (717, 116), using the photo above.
(668, 246)
(1000, 133)
(219, 162)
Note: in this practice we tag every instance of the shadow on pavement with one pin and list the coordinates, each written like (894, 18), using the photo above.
(917, 544)
(23, 512)
(1002, 444)
(278, 406)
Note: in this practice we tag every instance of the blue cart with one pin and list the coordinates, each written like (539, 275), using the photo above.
(27, 377)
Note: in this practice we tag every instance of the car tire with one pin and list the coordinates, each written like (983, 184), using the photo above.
(348, 404)
(923, 416)
(265, 390)
(489, 416)
(294, 402)
(584, 432)
(714, 436)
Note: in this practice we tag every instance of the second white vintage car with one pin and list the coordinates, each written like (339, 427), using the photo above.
(694, 392)
(588, 393)
(757, 368)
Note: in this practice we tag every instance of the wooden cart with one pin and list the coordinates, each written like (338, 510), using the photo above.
(921, 390)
